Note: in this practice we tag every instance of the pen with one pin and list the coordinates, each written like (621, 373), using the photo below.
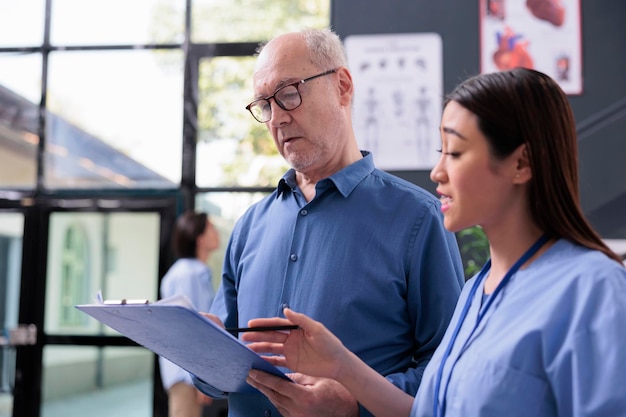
(261, 328)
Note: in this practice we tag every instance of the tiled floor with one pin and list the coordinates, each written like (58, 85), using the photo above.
(132, 400)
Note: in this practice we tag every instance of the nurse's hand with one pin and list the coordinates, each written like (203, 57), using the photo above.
(311, 349)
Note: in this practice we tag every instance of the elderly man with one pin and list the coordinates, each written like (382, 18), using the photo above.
(356, 248)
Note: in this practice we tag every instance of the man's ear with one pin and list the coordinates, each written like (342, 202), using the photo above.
(346, 86)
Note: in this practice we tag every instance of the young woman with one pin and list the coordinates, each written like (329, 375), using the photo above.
(539, 331)
(193, 240)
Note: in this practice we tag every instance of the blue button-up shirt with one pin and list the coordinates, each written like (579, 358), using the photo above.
(368, 257)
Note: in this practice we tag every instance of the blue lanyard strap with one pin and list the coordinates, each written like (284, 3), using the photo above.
(438, 409)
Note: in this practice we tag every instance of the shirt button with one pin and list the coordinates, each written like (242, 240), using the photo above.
(293, 257)
(284, 305)
(304, 212)
(267, 413)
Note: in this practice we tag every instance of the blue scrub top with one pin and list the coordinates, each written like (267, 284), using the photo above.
(192, 278)
(553, 343)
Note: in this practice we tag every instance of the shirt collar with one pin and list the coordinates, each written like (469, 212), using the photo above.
(344, 180)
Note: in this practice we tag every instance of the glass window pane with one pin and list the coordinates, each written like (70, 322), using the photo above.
(21, 73)
(6, 398)
(11, 233)
(254, 20)
(117, 22)
(97, 382)
(116, 119)
(21, 22)
(233, 149)
(224, 209)
(20, 93)
(117, 253)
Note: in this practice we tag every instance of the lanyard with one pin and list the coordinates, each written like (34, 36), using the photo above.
(438, 409)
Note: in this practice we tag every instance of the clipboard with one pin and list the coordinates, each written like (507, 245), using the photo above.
(172, 328)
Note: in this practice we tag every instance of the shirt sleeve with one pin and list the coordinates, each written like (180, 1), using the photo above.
(172, 373)
(207, 389)
(192, 278)
(434, 284)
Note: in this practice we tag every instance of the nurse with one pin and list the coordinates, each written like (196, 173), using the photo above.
(539, 331)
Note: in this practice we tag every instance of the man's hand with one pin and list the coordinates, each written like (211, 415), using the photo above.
(213, 318)
(313, 349)
(307, 397)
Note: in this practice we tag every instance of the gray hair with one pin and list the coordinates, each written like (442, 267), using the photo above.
(325, 46)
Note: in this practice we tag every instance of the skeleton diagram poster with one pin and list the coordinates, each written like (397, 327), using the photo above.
(540, 34)
(398, 82)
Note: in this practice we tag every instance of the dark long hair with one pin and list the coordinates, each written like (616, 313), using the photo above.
(188, 227)
(523, 106)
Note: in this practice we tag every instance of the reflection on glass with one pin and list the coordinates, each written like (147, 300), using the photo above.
(117, 253)
(97, 382)
(233, 149)
(224, 209)
(20, 92)
(11, 233)
(117, 22)
(21, 23)
(254, 20)
(116, 119)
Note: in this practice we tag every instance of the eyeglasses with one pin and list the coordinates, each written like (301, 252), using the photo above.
(287, 97)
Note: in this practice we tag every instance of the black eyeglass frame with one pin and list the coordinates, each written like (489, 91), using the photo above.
(281, 105)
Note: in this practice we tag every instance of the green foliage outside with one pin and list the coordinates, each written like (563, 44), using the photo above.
(254, 20)
(240, 151)
(474, 249)
(225, 83)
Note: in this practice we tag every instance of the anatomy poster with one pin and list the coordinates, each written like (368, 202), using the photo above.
(541, 34)
(398, 82)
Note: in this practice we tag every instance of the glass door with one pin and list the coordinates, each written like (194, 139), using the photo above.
(11, 236)
(78, 367)
(117, 254)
